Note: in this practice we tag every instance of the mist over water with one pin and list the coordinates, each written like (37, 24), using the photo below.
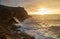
(41, 29)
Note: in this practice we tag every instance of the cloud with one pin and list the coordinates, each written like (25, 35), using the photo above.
(32, 5)
(51, 3)
(16, 2)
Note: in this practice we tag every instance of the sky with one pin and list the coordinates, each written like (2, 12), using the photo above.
(32, 6)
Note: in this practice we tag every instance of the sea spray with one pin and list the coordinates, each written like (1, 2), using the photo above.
(37, 30)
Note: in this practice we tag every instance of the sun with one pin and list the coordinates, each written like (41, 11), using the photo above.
(42, 11)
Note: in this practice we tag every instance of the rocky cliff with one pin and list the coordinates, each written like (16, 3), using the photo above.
(6, 20)
(6, 13)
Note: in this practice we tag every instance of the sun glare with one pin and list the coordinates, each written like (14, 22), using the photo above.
(42, 11)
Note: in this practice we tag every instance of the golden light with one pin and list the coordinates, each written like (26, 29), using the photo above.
(43, 11)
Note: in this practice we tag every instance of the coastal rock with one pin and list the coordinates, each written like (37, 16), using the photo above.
(7, 29)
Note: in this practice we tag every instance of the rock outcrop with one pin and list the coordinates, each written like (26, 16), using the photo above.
(6, 13)
(6, 19)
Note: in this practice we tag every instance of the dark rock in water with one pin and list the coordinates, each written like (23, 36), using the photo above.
(25, 36)
(6, 19)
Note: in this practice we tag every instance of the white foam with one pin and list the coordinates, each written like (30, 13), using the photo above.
(37, 30)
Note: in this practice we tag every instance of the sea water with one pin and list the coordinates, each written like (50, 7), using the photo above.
(40, 29)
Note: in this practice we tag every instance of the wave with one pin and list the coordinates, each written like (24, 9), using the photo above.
(38, 30)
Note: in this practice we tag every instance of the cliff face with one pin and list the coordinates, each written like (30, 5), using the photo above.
(6, 13)
(7, 29)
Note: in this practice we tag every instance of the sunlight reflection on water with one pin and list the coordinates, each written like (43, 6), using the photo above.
(41, 29)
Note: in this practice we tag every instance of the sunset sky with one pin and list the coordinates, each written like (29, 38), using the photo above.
(34, 5)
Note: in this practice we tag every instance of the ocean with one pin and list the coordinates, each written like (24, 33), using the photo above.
(41, 27)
